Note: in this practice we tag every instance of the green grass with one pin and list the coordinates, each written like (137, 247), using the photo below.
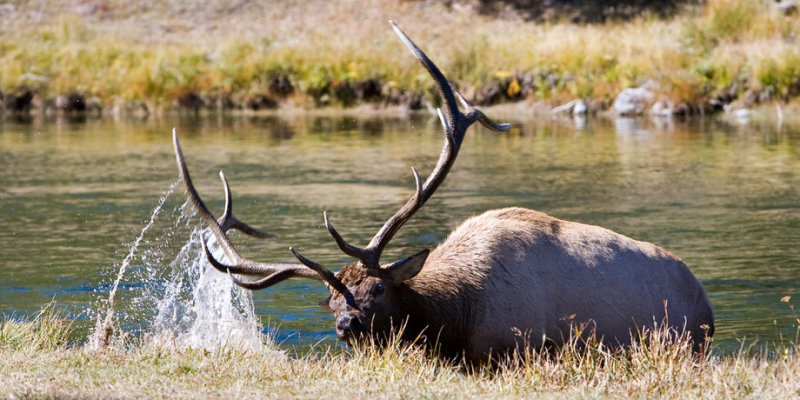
(36, 362)
(159, 54)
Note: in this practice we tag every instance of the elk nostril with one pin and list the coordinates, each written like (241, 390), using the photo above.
(344, 322)
(347, 323)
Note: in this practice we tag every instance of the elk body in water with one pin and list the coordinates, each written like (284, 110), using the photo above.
(501, 280)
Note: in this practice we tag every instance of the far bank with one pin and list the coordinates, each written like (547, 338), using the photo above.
(118, 59)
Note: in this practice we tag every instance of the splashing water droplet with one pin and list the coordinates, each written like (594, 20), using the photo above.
(104, 330)
(201, 307)
(189, 302)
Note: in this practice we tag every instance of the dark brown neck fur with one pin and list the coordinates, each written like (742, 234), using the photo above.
(443, 314)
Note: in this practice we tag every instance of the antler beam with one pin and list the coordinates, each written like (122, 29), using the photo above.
(274, 273)
(455, 124)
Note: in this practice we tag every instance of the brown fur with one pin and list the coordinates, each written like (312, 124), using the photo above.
(514, 276)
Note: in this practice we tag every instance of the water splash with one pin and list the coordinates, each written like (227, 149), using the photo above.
(104, 329)
(201, 307)
(187, 302)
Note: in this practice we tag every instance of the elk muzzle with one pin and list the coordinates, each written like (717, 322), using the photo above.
(348, 326)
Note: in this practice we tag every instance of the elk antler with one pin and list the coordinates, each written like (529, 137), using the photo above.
(273, 273)
(455, 124)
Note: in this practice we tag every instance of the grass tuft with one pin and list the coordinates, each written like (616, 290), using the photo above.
(36, 361)
(47, 331)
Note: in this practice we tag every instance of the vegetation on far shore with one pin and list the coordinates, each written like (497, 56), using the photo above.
(121, 56)
(37, 361)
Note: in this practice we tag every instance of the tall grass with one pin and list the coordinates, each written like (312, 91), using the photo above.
(36, 362)
(228, 49)
(48, 331)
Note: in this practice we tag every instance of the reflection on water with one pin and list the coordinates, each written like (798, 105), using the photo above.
(74, 196)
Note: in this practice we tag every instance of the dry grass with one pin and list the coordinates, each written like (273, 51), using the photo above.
(35, 362)
(156, 52)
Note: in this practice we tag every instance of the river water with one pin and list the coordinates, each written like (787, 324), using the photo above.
(75, 195)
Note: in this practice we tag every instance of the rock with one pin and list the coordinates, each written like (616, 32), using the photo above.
(581, 107)
(191, 100)
(344, 92)
(369, 90)
(576, 107)
(661, 109)
(62, 103)
(565, 107)
(786, 7)
(221, 101)
(633, 101)
(73, 102)
(682, 108)
(260, 102)
(280, 86)
(18, 101)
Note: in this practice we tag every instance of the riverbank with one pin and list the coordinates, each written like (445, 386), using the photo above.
(112, 57)
(36, 361)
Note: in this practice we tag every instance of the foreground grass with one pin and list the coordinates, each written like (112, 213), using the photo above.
(37, 362)
(228, 53)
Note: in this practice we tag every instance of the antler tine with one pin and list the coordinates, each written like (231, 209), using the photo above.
(247, 267)
(220, 227)
(268, 281)
(486, 122)
(455, 125)
(475, 114)
(347, 248)
(464, 102)
(327, 276)
(417, 182)
(451, 109)
(199, 205)
(446, 90)
(228, 221)
(368, 256)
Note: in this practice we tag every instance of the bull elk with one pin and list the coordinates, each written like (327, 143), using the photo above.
(502, 279)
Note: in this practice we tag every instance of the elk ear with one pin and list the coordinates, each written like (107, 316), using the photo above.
(326, 302)
(405, 269)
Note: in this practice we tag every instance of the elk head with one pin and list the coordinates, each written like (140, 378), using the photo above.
(365, 295)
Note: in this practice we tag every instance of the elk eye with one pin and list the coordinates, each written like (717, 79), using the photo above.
(378, 289)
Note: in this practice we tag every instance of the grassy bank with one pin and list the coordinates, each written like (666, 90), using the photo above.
(36, 361)
(129, 57)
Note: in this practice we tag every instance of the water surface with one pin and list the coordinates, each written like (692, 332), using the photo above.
(74, 196)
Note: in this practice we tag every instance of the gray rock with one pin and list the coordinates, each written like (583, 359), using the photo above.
(661, 109)
(633, 101)
(580, 108)
(62, 103)
(786, 7)
(576, 107)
